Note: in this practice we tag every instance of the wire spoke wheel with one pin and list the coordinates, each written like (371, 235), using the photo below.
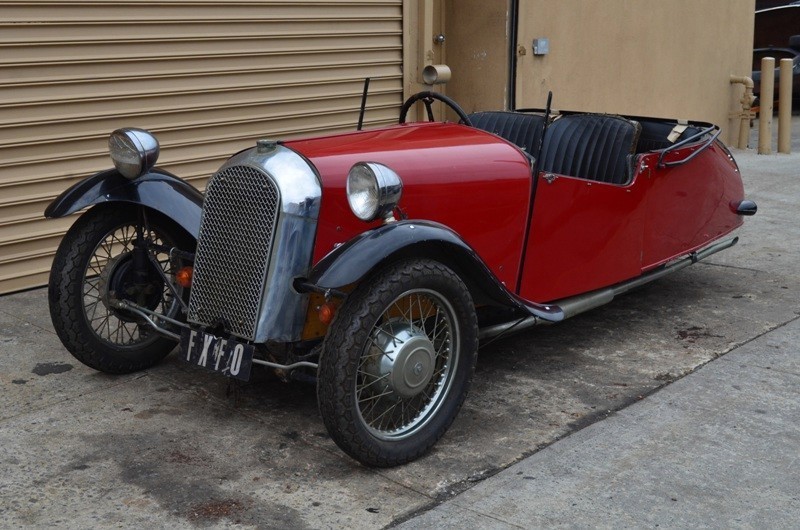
(397, 362)
(106, 256)
(109, 275)
(407, 364)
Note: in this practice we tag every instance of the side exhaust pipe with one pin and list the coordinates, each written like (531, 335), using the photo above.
(575, 305)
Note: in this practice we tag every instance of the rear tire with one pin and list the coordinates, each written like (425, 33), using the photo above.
(397, 363)
(95, 258)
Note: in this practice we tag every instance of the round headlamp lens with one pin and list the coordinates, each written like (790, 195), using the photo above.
(362, 192)
(134, 151)
(373, 190)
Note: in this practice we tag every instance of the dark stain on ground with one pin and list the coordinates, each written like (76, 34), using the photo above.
(180, 457)
(156, 462)
(19, 381)
(214, 509)
(693, 333)
(292, 435)
(51, 368)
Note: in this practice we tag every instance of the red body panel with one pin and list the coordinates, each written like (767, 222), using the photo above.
(586, 235)
(471, 181)
(689, 205)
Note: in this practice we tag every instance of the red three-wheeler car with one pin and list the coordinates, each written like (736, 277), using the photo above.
(374, 262)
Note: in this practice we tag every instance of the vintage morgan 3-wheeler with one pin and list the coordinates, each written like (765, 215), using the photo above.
(374, 262)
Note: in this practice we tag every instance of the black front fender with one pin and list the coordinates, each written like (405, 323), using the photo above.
(157, 189)
(353, 261)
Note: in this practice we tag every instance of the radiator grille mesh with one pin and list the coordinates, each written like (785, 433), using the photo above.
(240, 212)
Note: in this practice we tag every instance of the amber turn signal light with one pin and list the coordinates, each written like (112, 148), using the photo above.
(184, 276)
(326, 312)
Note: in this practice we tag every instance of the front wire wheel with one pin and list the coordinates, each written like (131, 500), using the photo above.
(397, 363)
(113, 254)
(96, 265)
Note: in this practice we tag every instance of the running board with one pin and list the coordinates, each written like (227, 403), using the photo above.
(569, 307)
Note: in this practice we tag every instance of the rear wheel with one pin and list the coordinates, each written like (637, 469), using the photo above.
(104, 258)
(397, 363)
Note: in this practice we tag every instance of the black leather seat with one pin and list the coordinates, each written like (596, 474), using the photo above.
(655, 135)
(591, 146)
(522, 130)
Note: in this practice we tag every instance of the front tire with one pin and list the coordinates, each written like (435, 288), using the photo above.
(397, 362)
(94, 264)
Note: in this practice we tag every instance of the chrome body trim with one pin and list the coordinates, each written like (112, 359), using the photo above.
(281, 312)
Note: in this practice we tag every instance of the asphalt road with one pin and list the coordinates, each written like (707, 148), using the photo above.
(171, 447)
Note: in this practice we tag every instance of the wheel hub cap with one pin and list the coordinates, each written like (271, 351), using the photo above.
(406, 360)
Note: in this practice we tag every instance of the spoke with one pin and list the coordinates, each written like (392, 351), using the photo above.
(419, 304)
(395, 339)
(396, 305)
(117, 331)
(134, 333)
(402, 413)
(363, 387)
(391, 331)
(371, 407)
(373, 346)
(436, 320)
(90, 286)
(94, 307)
(376, 396)
(110, 327)
(415, 406)
(98, 329)
(381, 378)
(385, 412)
(95, 267)
(410, 314)
(445, 329)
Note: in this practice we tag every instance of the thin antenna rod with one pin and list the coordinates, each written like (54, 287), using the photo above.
(363, 104)
(544, 128)
(535, 173)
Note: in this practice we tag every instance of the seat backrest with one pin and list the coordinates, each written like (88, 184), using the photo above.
(591, 146)
(522, 130)
(656, 135)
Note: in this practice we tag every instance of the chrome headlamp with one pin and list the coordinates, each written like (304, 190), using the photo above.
(373, 190)
(134, 151)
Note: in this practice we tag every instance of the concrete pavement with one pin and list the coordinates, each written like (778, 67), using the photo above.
(719, 448)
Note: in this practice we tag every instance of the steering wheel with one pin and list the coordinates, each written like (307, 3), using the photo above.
(427, 98)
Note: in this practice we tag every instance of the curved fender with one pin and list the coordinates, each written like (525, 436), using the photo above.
(158, 189)
(352, 261)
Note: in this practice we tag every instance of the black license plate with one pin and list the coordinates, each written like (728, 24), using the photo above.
(225, 356)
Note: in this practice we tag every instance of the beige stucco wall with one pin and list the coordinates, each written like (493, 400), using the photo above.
(669, 58)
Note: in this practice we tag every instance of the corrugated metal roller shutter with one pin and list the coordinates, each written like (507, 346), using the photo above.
(209, 77)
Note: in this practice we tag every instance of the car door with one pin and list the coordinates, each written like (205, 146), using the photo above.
(583, 235)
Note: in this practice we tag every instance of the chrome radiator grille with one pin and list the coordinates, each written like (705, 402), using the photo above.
(240, 212)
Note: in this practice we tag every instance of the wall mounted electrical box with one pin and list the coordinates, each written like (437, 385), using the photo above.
(541, 46)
